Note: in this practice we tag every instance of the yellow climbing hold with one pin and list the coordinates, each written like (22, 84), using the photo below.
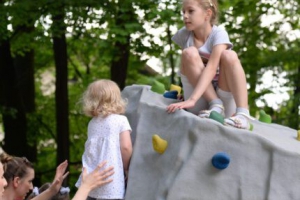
(298, 137)
(175, 87)
(159, 144)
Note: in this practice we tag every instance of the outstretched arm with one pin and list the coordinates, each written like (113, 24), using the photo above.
(56, 184)
(95, 179)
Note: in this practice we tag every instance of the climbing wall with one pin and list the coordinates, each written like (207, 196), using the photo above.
(181, 156)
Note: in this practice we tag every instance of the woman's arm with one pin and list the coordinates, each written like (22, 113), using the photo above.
(56, 184)
(95, 179)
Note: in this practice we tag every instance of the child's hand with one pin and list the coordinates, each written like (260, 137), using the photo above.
(189, 103)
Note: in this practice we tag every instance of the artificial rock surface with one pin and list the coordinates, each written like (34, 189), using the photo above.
(264, 163)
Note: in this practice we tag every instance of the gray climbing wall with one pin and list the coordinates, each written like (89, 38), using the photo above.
(264, 163)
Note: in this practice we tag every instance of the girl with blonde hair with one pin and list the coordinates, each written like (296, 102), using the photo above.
(108, 136)
(212, 76)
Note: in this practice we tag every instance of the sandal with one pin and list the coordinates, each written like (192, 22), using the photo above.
(240, 120)
(206, 113)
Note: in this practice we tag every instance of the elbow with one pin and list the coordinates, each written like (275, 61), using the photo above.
(127, 149)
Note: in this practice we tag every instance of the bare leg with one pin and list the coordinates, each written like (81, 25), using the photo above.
(191, 67)
(232, 79)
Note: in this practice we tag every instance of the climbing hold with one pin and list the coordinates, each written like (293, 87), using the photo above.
(216, 116)
(159, 144)
(175, 87)
(264, 117)
(158, 87)
(251, 127)
(171, 95)
(220, 160)
(298, 136)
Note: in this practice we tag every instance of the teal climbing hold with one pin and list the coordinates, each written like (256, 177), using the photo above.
(220, 160)
(216, 116)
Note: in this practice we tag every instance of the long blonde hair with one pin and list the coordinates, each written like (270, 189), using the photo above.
(102, 98)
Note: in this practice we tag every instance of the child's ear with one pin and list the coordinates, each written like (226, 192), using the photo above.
(209, 12)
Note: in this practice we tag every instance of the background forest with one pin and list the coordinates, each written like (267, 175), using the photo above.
(51, 50)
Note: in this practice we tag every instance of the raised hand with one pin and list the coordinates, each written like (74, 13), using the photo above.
(92, 180)
(97, 178)
(60, 175)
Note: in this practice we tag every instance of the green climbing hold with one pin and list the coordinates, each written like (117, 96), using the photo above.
(158, 87)
(216, 116)
(264, 117)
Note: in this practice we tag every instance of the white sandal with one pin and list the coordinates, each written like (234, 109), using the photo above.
(236, 121)
(206, 113)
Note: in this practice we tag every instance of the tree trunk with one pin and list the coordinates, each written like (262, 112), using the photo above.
(13, 112)
(11, 105)
(25, 79)
(295, 121)
(121, 52)
(120, 63)
(25, 82)
(171, 56)
(61, 92)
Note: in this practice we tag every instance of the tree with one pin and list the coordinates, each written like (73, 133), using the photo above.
(61, 85)
(12, 106)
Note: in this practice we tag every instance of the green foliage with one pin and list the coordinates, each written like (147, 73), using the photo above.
(93, 30)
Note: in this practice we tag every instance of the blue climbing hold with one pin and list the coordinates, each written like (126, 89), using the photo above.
(171, 94)
(220, 160)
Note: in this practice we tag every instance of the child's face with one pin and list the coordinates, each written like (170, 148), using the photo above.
(194, 16)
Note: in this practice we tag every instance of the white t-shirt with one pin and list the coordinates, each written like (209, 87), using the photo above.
(103, 143)
(185, 39)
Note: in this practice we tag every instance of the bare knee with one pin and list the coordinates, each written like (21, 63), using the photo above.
(190, 54)
(191, 61)
(229, 58)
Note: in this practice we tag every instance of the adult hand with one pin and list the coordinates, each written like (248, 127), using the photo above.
(97, 178)
(60, 175)
(56, 184)
(181, 105)
(92, 180)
